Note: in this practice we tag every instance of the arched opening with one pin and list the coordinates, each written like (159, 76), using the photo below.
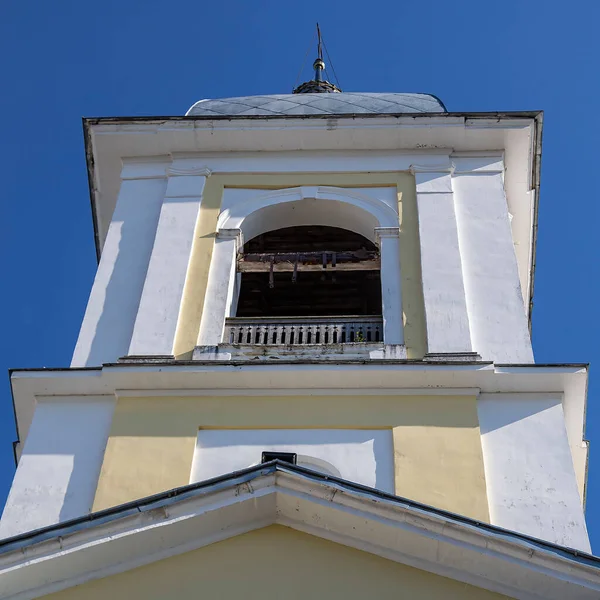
(309, 271)
(307, 284)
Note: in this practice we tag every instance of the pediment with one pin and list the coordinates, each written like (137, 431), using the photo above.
(197, 516)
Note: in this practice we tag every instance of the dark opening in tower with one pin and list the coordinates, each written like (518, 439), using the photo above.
(309, 271)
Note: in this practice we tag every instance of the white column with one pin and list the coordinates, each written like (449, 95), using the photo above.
(160, 304)
(220, 288)
(391, 286)
(529, 474)
(58, 471)
(446, 314)
(108, 323)
(497, 317)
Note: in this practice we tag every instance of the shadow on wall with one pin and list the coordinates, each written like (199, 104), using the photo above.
(497, 410)
(121, 274)
(58, 471)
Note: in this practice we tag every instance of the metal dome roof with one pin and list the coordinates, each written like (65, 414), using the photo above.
(319, 104)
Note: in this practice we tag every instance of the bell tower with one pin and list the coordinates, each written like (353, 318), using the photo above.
(339, 280)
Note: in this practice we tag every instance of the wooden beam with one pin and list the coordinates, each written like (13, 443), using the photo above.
(279, 267)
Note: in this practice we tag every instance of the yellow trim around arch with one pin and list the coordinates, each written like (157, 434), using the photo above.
(198, 269)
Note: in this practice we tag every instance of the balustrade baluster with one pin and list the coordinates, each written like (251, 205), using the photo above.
(311, 331)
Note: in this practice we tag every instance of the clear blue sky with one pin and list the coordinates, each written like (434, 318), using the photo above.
(63, 60)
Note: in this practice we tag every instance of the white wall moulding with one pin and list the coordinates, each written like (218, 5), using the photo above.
(391, 284)
(185, 170)
(360, 455)
(311, 377)
(109, 319)
(497, 317)
(447, 320)
(160, 304)
(58, 470)
(358, 210)
(531, 484)
(221, 283)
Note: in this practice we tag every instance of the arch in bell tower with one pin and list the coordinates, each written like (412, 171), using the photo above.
(323, 206)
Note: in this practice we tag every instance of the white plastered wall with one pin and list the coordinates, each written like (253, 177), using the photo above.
(530, 479)
(158, 313)
(497, 315)
(446, 316)
(58, 471)
(112, 307)
(362, 456)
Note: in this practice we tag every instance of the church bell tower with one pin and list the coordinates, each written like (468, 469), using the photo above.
(334, 280)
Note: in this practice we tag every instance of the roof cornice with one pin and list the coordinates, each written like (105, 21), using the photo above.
(197, 515)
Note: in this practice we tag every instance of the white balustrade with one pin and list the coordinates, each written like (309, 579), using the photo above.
(293, 331)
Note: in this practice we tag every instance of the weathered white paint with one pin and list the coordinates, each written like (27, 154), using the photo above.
(446, 315)
(391, 285)
(220, 290)
(314, 161)
(353, 144)
(108, 323)
(255, 212)
(497, 317)
(529, 473)
(59, 468)
(156, 322)
(341, 377)
(358, 455)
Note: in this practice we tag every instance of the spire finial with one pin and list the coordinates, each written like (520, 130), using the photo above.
(318, 85)
(319, 64)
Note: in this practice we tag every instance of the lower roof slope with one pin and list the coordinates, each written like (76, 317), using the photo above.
(141, 532)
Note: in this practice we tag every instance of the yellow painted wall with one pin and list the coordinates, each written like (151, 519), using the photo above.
(438, 456)
(197, 277)
(276, 563)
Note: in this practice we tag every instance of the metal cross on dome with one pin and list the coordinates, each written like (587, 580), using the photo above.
(318, 85)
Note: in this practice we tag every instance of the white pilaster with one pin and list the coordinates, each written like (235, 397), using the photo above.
(220, 288)
(497, 318)
(391, 287)
(446, 314)
(58, 471)
(106, 330)
(156, 321)
(529, 474)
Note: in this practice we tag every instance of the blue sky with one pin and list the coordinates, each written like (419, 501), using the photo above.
(63, 60)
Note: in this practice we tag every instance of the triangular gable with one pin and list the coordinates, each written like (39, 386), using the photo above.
(273, 563)
(196, 516)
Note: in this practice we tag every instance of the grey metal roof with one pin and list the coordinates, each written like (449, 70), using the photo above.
(178, 494)
(319, 104)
